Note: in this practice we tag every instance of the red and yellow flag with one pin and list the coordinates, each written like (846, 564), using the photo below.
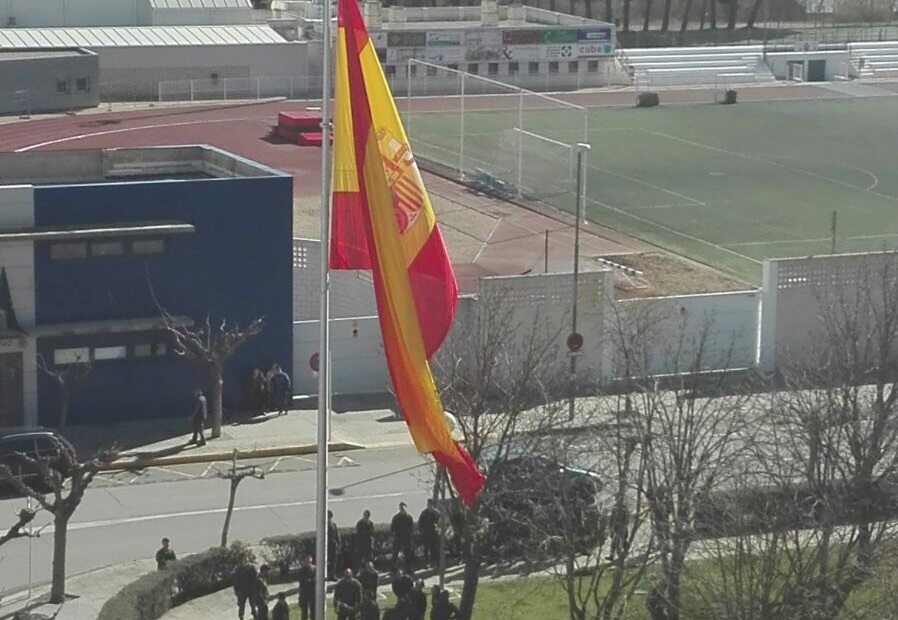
(383, 221)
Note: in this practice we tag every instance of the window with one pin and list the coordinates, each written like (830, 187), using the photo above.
(107, 248)
(150, 349)
(110, 353)
(68, 251)
(473, 67)
(493, 68)
(148, 246)
(512, 68)
(431, 71)
(390, 70)
(413, 70)
(82, 85)
(79, 355)
(533, 68)
(452, 66)
(592, 66)
(62, 86)
(553, 66)
(573, 66)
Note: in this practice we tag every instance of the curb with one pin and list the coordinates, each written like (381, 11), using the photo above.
(187, 459)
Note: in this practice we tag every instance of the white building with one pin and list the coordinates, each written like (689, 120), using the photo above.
(79, 13)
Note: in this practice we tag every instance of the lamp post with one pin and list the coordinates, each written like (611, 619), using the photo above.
(575, 340)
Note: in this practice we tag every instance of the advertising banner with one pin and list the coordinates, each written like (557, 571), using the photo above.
(444, 55)
(596, 35)
(558, 35)
(401, 54)
(559, 52)
(406, 39)
(522, 52)
(586, 49)
(483, 45)
(521, 37)
(445, 38)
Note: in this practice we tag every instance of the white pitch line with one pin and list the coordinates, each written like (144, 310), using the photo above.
(692, 204)
(885, 236)
(698, 203)
(763, 160)
(94, 134)
(674, 231)
(777, 242)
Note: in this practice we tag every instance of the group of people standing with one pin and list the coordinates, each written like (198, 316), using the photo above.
(269, 390)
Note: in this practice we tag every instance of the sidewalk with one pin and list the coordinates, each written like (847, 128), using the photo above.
(89, 592)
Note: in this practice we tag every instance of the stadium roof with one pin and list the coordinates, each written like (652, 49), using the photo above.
(136, 36)
(200, 4)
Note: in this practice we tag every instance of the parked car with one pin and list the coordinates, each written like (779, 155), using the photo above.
(15, 444)
(528, 489)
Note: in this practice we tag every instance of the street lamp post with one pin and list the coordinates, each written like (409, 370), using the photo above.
(575, 340)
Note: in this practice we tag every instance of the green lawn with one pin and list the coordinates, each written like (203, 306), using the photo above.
(725, 185)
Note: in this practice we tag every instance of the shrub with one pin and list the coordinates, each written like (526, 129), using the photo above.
(150, 596)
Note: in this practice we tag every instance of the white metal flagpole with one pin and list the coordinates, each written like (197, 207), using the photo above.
(324, 323)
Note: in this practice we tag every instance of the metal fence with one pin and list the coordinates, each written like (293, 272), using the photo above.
(206, 89)
(501, 138)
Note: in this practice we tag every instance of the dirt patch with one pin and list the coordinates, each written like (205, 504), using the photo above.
(668, 274)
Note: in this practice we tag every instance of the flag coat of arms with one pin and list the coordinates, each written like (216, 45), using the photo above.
(383, 221)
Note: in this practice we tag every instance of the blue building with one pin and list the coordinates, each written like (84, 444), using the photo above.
(94, 243)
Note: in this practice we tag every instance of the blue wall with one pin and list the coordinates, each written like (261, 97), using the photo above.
(237, 266)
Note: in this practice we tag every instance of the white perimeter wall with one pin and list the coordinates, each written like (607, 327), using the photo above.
(693, 332)
(140, 69)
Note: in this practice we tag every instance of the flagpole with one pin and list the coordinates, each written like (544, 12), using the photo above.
(324, 325)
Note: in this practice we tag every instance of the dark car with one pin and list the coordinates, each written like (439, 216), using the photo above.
(38, 443)
(532, 493)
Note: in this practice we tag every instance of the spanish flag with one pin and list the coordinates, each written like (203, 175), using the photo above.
(383, 221)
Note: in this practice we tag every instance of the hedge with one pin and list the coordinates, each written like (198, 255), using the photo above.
(150, 596)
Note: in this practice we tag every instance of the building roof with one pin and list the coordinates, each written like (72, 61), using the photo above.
(17, 54)
(136, 36)
(200, 4)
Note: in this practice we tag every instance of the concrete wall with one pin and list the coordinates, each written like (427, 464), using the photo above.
(358, 365)
(688, 333)
(837, 63)
(352, 292)
(48, 83)
(796, 292)
(135, 72)
(236, 266)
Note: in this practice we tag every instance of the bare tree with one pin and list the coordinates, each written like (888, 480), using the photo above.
(684, 23)
(733, 8)
(493, 370)
(665, 18)
(67, 479)
(647, 15)
(210, 346)
(20, 529)
(69, 379)
(690, 429)
(235, 476)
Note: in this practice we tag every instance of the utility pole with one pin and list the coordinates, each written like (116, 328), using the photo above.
(575, 340)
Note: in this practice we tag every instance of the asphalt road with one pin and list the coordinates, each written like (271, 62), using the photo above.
(120, 521)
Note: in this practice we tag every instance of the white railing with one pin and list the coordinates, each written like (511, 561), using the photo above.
(233, 89)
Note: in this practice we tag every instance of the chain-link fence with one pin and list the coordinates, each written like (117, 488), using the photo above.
(501, 138)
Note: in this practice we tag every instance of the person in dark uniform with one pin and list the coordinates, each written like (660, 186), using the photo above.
(347, 596)
(244, 578)
(401, 584)
(442, 608)
(401, 528)
(369, 610)
(281, 611)
(306, 588)
(428, 521)
(369, 579)
(260, 593)
(281, 390)
(198, 417)
(364, 536)
(417, 602)
(333, 546)
(165, 555)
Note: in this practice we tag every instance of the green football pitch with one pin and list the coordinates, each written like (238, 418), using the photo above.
(725, 185)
